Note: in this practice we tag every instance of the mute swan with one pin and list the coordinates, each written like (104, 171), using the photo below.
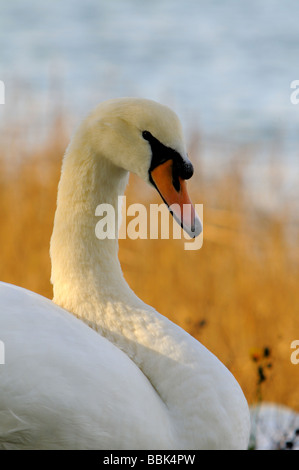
(134, 380)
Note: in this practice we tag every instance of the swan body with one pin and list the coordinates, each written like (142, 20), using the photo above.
(97, 368)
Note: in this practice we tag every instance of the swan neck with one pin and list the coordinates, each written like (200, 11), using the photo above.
(84, 266)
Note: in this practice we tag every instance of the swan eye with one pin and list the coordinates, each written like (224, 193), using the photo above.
(146, 135)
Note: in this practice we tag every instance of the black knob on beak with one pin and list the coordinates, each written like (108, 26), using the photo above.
(187, 170)
(182, 168)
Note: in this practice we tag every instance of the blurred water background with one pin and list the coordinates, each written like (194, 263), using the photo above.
(225, 67)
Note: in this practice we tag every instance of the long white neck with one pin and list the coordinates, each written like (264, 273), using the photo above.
(88, 281)
(82, 265)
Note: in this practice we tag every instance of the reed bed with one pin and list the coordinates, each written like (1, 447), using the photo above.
(238, 294)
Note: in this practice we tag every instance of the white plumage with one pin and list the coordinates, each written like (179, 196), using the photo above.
(134, 380)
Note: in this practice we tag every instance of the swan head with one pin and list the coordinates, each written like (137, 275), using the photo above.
(145, 138)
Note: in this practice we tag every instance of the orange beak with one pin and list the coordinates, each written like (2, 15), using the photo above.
(177, 200)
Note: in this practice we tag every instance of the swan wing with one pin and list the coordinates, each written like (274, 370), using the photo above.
(65, 386)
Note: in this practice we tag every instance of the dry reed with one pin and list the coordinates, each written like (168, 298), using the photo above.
(239, 292)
